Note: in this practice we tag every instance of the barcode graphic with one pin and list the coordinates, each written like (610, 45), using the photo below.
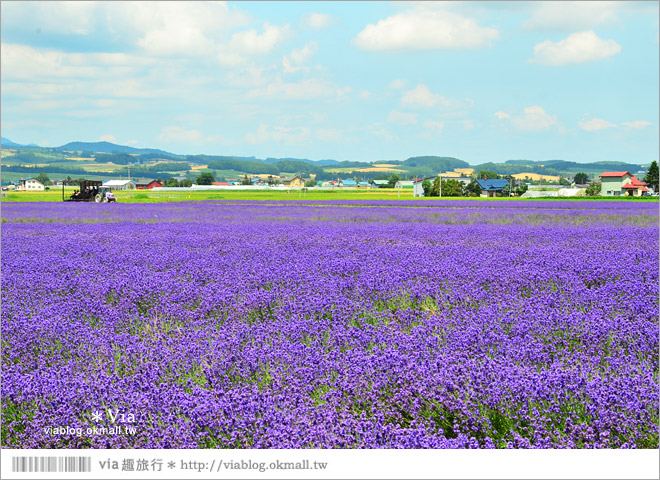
(51, 464)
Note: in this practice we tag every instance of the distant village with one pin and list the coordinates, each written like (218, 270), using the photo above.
(456, 183)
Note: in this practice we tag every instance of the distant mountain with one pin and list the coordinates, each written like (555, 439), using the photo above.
(8, 143)
(563, 166)
(107, 147)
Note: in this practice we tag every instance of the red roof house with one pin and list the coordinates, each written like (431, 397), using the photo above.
(621, 183)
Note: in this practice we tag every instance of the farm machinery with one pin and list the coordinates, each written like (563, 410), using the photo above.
(91, 191)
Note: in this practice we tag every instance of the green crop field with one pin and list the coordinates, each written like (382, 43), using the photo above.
(148, 196)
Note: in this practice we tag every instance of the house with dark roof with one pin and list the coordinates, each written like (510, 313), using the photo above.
(379, 183)
(491, 187)
(621, 183)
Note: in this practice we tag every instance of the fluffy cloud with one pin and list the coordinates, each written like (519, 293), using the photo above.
(401, 118)
(421, 96)
(379, 130)
(249, 42)
(108, 138)
(317, 21)
(329, 134)
(576, 48)
(434, 125)
(424, 29)
(179, 134)
(303, 90)
(279, 134)
(292, 62)
(636, 124)
(28, 63)
(174, 28)
(397, 84)
(533, 118)
(571, 16)
(592, 124)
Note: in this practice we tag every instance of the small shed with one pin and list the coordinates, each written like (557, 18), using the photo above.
(120, 184)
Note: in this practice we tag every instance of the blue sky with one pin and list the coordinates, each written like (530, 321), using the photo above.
(481, 81)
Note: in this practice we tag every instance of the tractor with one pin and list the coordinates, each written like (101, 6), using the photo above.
(91, 191)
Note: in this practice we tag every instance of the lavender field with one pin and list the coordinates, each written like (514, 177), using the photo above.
(339, 324)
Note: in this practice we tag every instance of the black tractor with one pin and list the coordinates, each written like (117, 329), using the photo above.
(92, 191)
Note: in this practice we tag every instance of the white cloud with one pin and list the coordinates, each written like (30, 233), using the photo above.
(636, 124)
(434, 125)
(467, 124)
(424, 29)
(279, 134)
(571, 16)
(187, 41)
(317, 21)
(174, 28)
(296, 58)
(329, 134)
(592, 124)
(401, 118)
(53, 17)
(249, 42)
(303, 90)
(379, 130)
(38, 65)
(421, 96)
(107, 138)
(179, 134)
(397, 84)
(576, 48)
(365, 95)
(533, 118)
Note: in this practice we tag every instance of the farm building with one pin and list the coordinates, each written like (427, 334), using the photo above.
(30, 185)
(621, 183)
(295, 182)
(348, 183)
(418, 189)
(120, 184)
(404, 184)
(147, 183)
(363, 184)
(491, 187)
(379, 183)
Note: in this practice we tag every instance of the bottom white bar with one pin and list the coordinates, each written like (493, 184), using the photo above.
(323, 464)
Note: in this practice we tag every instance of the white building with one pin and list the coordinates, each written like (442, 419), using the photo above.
(30, 185)
(120, 184)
